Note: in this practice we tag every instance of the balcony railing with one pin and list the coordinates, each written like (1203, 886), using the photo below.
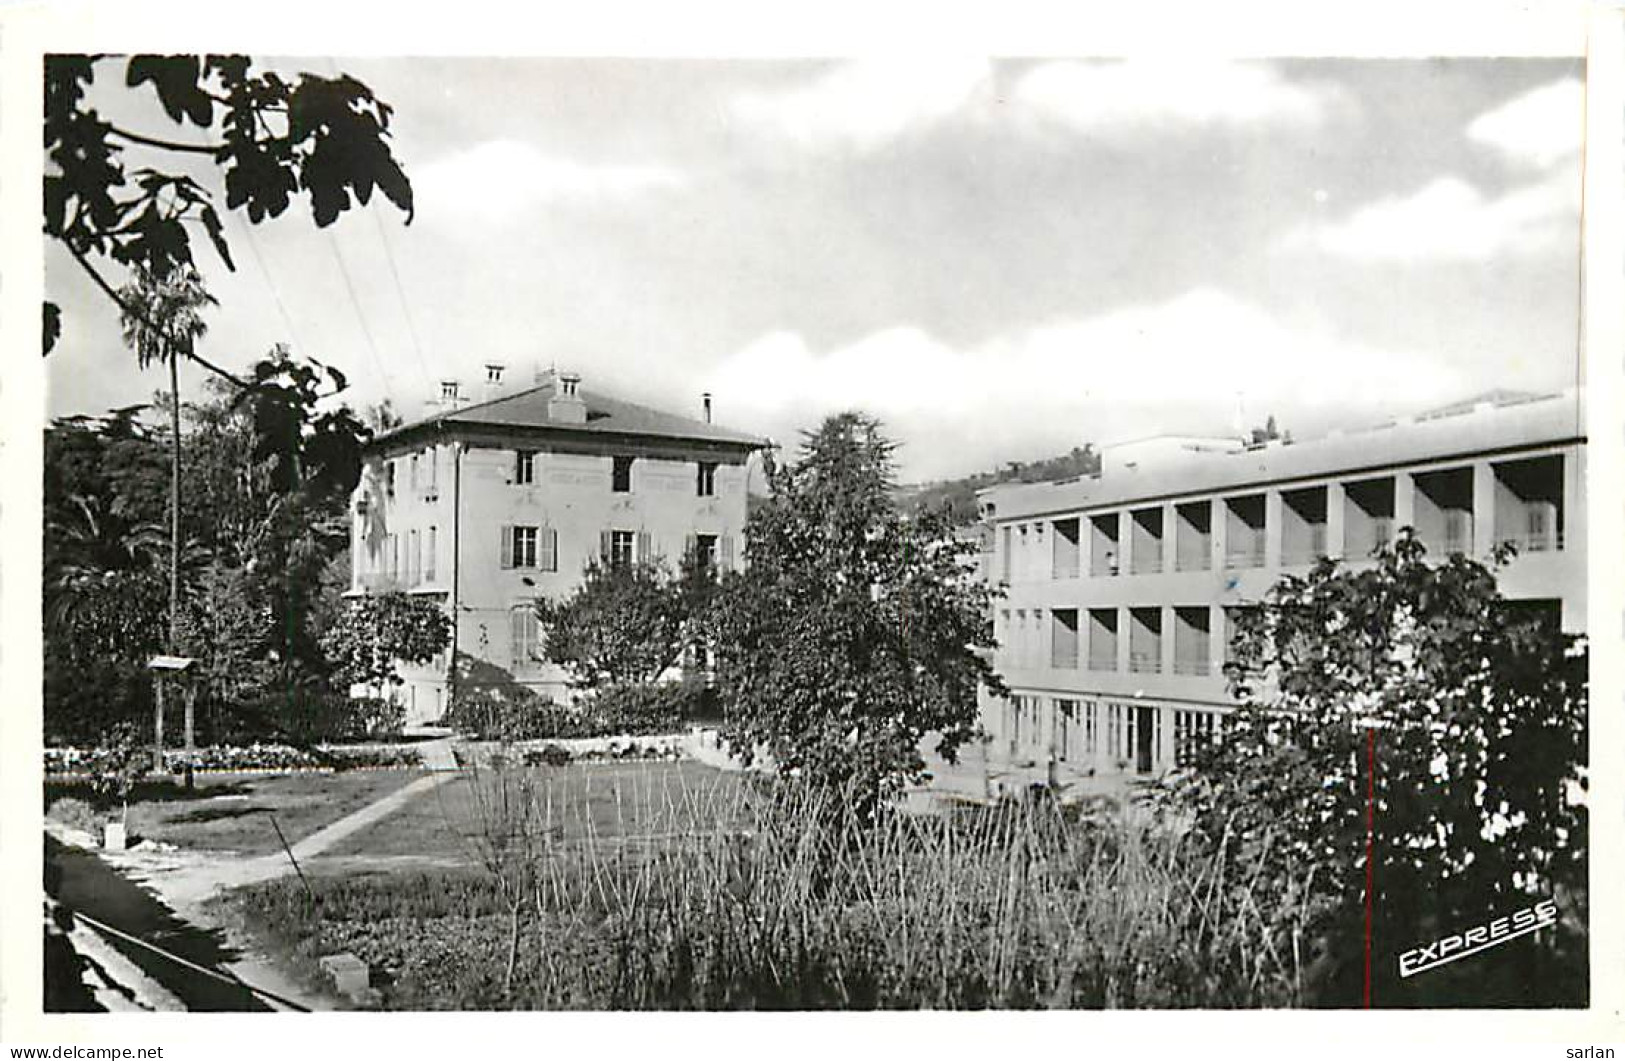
(1103, 662)
(1194, 562)
(1550, 542)
(1247, 556)
(1064, 659)
(1192, 667)
(1103, 567)
(1147, 565)
(1145, 662)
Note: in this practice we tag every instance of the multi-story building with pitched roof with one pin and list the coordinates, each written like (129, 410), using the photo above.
(1122, 587)
(486, 506)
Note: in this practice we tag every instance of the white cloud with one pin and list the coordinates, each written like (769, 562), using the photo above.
(499, 178)
(1133, 97)
(866, 103)
(1541, 128)
(1451, 220)
(1146, 369)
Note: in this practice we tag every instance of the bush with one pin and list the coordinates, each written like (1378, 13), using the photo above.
(75, 814)
(547, 755)
(645, 708)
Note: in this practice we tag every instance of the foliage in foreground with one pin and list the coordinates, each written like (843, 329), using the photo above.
(789, 900)
(1474, 712)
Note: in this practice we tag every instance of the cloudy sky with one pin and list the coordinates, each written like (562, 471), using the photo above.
(1000, 259)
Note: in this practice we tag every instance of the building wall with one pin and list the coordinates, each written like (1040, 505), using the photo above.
(570, 494)
(1179, 686)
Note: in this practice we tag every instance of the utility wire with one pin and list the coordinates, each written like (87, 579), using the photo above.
(355, 303)
(406, 309)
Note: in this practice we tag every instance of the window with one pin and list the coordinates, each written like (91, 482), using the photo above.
(524, 467)
(524, 547)
(530, 547)
(703, 547)
(525, 646)
(414, 557)
(621, 475)
(389, 479)
(706, 483)
(1091, 726)
(617, 548)
(412, 474)
(428, 560)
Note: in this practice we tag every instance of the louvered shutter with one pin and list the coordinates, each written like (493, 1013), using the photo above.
(726, 545)
(603, 546)
(550, 549)
(507, 546)
(645, 546)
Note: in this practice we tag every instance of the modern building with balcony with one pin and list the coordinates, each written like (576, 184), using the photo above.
(1122, 588)
(485, 506)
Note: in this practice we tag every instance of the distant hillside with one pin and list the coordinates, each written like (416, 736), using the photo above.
(960, 494)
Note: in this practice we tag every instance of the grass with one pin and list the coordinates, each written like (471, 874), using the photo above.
(234, 815)
(743, 897)
(631, 802)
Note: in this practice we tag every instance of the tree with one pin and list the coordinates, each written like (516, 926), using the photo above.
(375, 632)
(162, 321)
(625, 624)
(322, 137)
(855, 630)
(1473, 713)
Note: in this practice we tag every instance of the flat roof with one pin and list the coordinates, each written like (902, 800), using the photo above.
(1482, 428)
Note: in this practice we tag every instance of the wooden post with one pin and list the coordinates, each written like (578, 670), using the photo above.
(190, 694)
(158, 724)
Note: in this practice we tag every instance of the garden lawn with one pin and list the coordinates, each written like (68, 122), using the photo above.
(235, 814)
(593, 803)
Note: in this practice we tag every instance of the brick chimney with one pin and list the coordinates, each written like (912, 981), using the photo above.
(565, 405)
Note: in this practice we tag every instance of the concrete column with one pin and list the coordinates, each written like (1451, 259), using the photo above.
(1170, 537)
(1336, 509)
(1124, 639)
(1165, 737)
(1219, 521)
(1272, 529)
(1086, 546)
(1125, 542)
(1216, 634)
(1167, 646)
(1483, 508)
(1404, 501)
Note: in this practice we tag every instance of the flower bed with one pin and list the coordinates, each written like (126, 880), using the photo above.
(259, 757)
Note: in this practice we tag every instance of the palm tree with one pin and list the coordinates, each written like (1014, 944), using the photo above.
(162, 320)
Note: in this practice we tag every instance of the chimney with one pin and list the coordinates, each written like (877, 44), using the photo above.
(448, 395)
(706, 400)
(565, 406)
(493, 380)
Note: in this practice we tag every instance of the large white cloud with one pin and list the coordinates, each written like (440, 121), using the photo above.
(1177, 366)
(1449, 219)
(864, 103)
(1541, 128)
(1135, 97)
(498, 178)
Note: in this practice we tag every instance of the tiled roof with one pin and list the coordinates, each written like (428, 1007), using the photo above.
(527, 409)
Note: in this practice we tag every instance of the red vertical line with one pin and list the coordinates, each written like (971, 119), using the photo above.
(1370, 847)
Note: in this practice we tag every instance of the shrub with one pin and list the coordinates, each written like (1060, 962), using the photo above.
(645, 708)
(74, 813)
(547, 755)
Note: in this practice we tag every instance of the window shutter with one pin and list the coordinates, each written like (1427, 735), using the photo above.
(726, 545)
(645, 546)
(507, 546)
(516, 636)
(550, 549)
(603, 546)
(691, 545)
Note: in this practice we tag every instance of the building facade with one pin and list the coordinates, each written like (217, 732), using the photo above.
(1122, 587)
(484, 507)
